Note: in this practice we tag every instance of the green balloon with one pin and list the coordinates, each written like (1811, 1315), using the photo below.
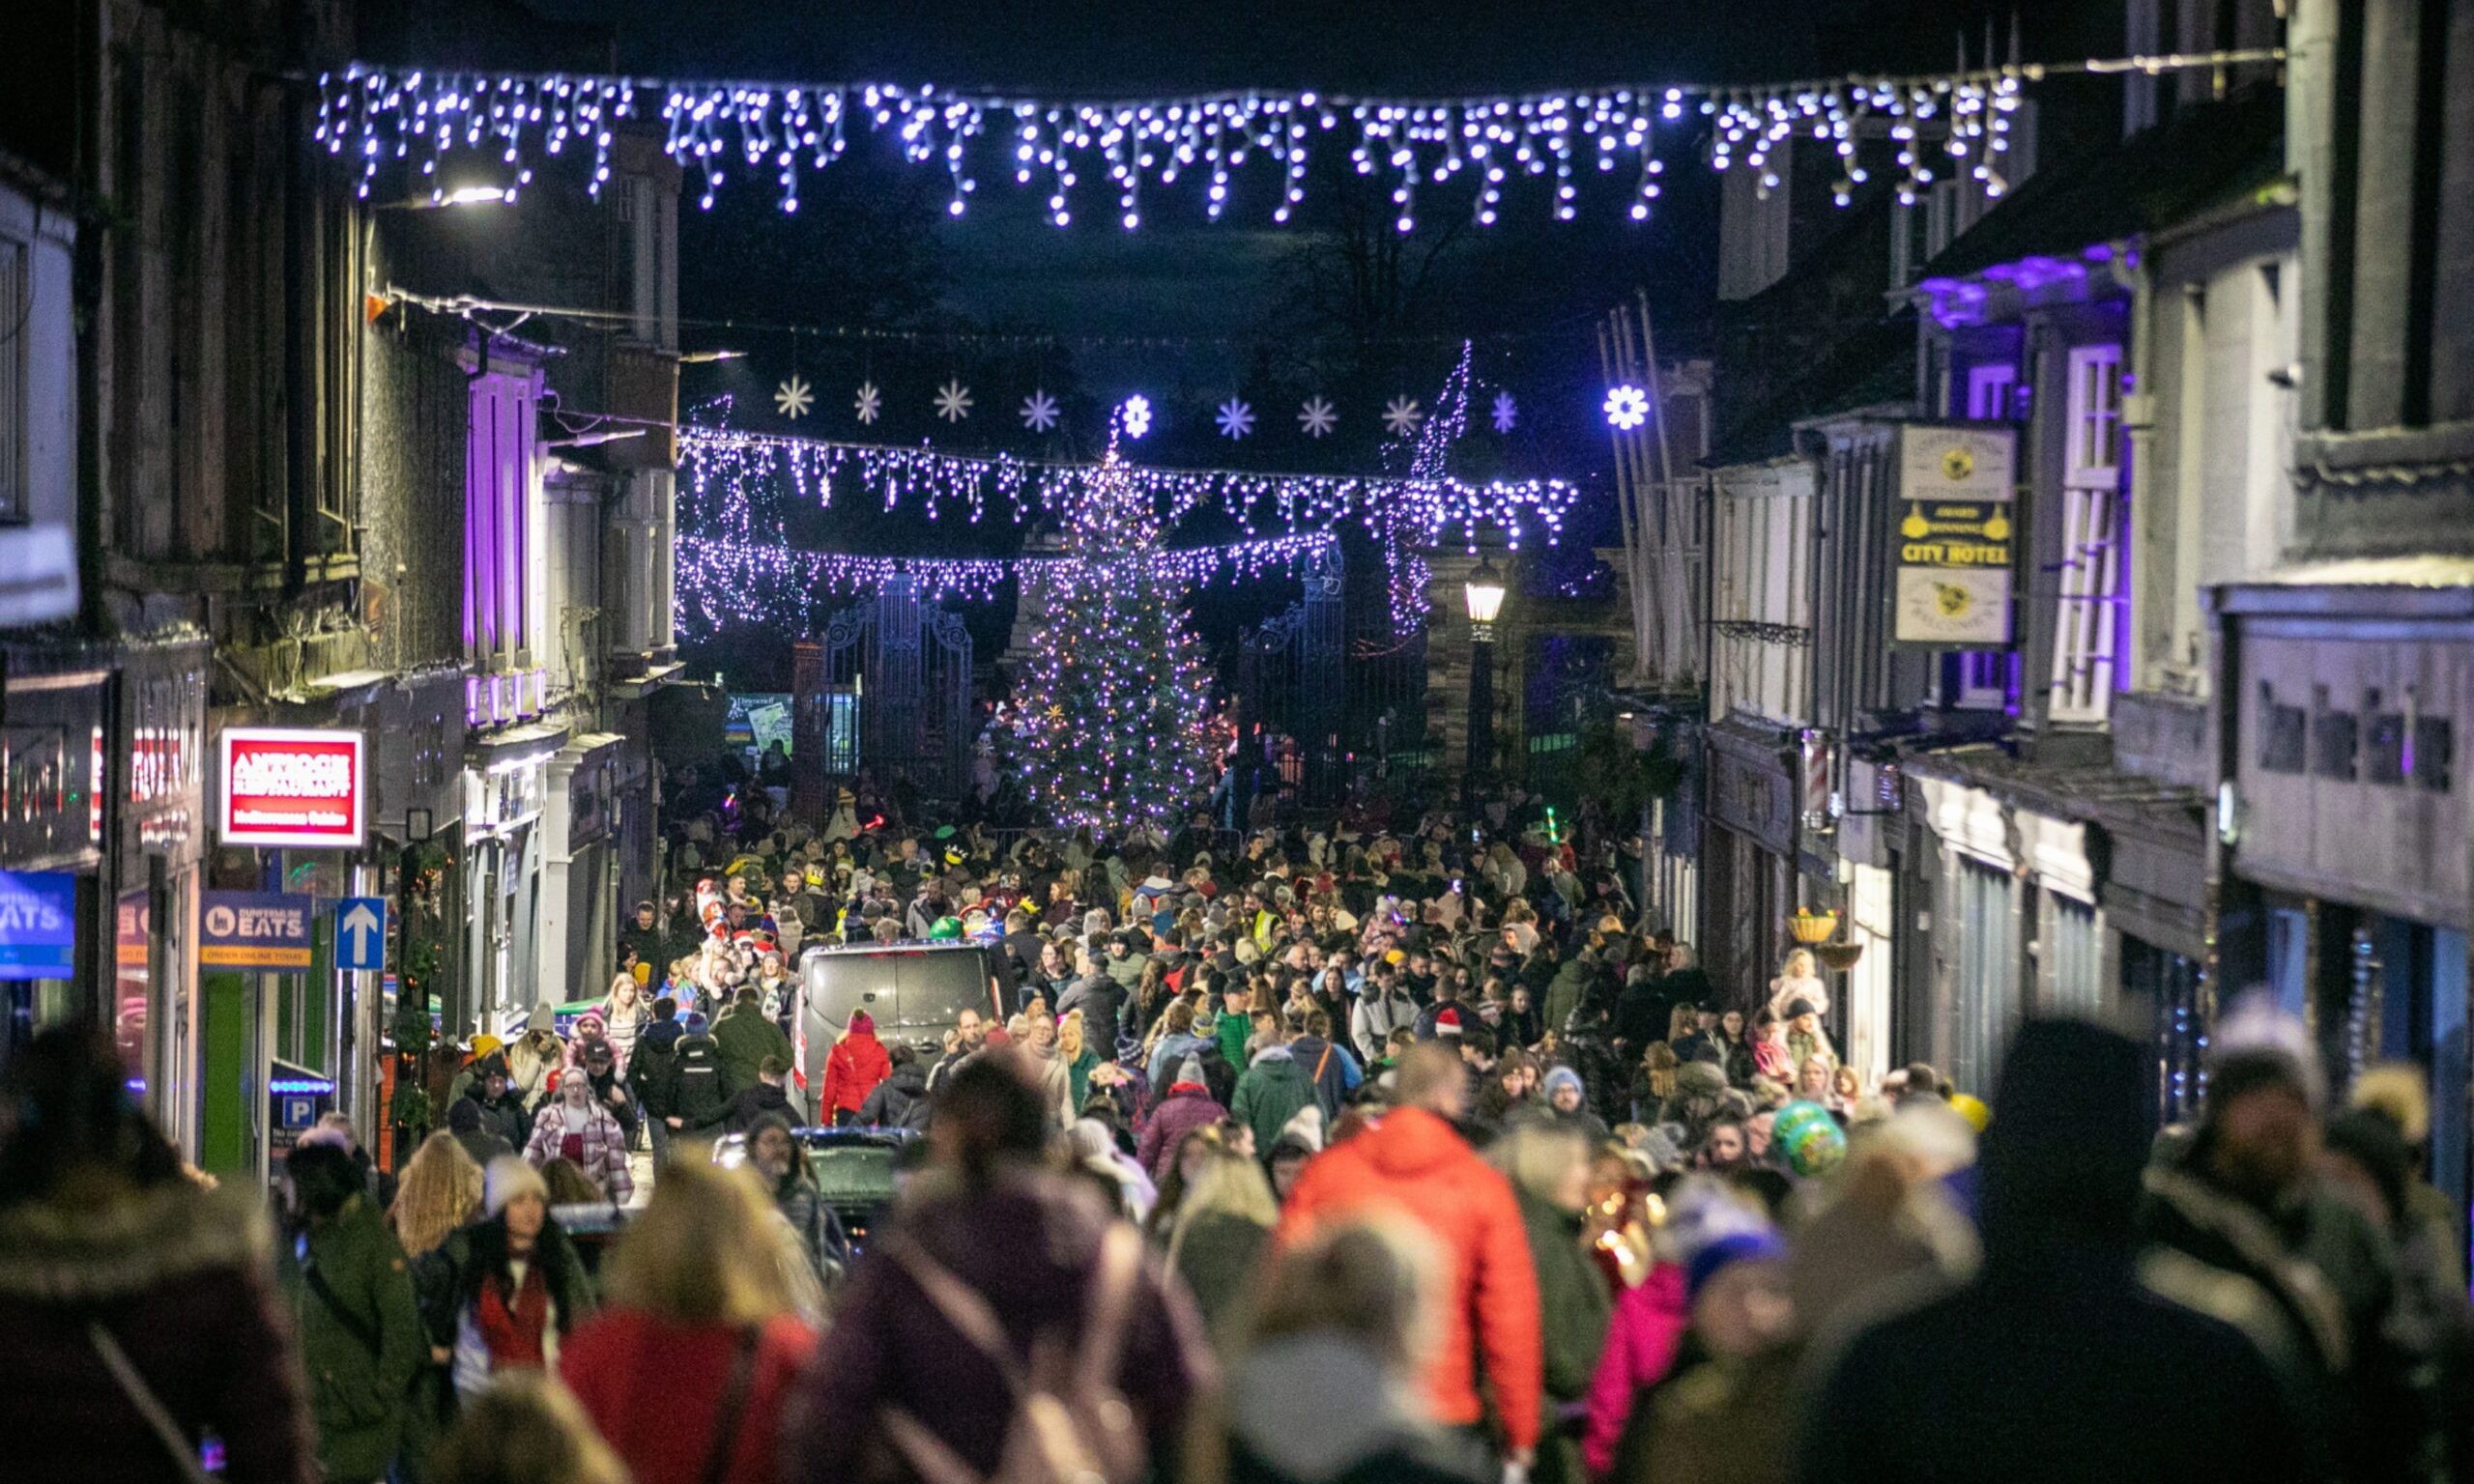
(1809, 1138)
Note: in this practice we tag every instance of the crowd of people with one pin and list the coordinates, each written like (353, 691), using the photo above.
(1298, 1158)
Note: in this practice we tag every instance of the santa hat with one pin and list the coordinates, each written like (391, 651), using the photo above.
(1447, 1021)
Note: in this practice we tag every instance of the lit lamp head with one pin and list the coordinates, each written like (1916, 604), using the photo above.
(1484, 592)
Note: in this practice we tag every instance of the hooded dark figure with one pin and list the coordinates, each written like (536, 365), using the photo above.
(2058, 1361)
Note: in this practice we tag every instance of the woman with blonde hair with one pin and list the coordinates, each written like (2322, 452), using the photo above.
(624, 1015)
(1222, 1225)
(1325, 1385)
(699, 1315)
(439, 1191)
(1080, 1058)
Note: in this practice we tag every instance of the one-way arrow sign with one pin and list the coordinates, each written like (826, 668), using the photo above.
(361, 933)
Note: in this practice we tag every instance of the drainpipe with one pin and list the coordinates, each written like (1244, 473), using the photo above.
(2129, 268)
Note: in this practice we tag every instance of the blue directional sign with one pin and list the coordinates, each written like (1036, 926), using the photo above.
(361, 933)
(37, 924)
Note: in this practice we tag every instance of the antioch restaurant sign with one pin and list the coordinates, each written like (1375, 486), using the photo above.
(290, 787)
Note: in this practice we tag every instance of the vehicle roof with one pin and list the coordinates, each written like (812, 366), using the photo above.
(889, 1138)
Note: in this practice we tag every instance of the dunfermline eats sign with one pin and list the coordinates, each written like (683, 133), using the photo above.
(287, 786)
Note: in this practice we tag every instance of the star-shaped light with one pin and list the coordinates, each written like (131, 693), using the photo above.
(868, 403)
(793, 397)
(953, 401)
(1628, 407)
(1236, 420)
(1401, 416)
(1507, 413)
(1055, 712)
(1316, 417)
(1039, 412)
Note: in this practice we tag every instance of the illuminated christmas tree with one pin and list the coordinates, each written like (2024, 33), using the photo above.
(1114, 727)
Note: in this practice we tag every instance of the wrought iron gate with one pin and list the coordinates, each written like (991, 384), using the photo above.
(1291, 713)
(907, 666)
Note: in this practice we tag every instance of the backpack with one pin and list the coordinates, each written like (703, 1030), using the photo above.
(697, 1080)
(1070, 1424)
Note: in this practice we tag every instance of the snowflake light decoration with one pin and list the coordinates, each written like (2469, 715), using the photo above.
(1507, 413)
(793, 397)
(1138, 415)
(953, 401)
(1628, 407)
(1401, 416)
(1236, 420)
(868, 403)
(1316, 417)
(1039, 412)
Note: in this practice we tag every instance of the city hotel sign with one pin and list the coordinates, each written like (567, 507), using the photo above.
(289, 787)
(1953, 538)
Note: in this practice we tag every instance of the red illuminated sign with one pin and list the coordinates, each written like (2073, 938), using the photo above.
(284, 786)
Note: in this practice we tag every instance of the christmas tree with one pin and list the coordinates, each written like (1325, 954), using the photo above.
(1116, 700)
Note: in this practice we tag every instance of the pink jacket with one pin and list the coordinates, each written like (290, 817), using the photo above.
(1641, 1342)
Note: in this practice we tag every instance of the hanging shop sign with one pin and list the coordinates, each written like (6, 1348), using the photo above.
(1957, 487)
(37, 924)
(289, 787)
(256, 930)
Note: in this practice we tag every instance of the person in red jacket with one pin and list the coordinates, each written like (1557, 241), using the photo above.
(852, 1068)
(1414, 1162)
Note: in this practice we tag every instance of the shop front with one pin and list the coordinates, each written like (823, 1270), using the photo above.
(2343, 830)
(580, 914)
(1747, 871)
(52, 795)
(507, 782)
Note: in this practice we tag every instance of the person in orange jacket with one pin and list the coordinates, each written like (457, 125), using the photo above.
(852, 1068)
(1414, 1162)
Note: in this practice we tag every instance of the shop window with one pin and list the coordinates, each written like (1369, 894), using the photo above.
(2284, 734)
(1989, 392)
(2383, 753)
(2335, 738)
(2435, 753)
(2088, 627)
(16, 307)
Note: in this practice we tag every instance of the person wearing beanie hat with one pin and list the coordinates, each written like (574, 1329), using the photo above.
(2244, 1196)
(500, 1293)
(1568, 1100)
(1186, 1107)
(2068, 1351)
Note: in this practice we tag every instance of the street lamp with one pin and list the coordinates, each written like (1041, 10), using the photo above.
(1483, 593)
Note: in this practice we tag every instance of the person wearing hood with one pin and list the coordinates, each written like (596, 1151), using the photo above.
(1274, 1086)
(900, 1100)
(852, 1068)
(1548, 1168)
(1325, 1385)
(1415, 1162)
(114, 1262)
(1186, 1107)
(485, 1117)
(2243, 1200)
(652, 1075)
(355, 1312)
(2061, 1359)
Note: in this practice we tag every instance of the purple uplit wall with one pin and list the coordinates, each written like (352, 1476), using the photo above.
(498, 466)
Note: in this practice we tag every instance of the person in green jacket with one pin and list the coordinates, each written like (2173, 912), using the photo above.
(1271, 1091)
(1234, 1025)
(1223, 1226)
(1548, 1168)
(744, 1039)
(360, 1326)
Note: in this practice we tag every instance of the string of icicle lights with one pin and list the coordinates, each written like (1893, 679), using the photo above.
(724, 579)
(751, 473)
(1946, 124)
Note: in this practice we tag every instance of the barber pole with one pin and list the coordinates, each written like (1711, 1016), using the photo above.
(1817, 757)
